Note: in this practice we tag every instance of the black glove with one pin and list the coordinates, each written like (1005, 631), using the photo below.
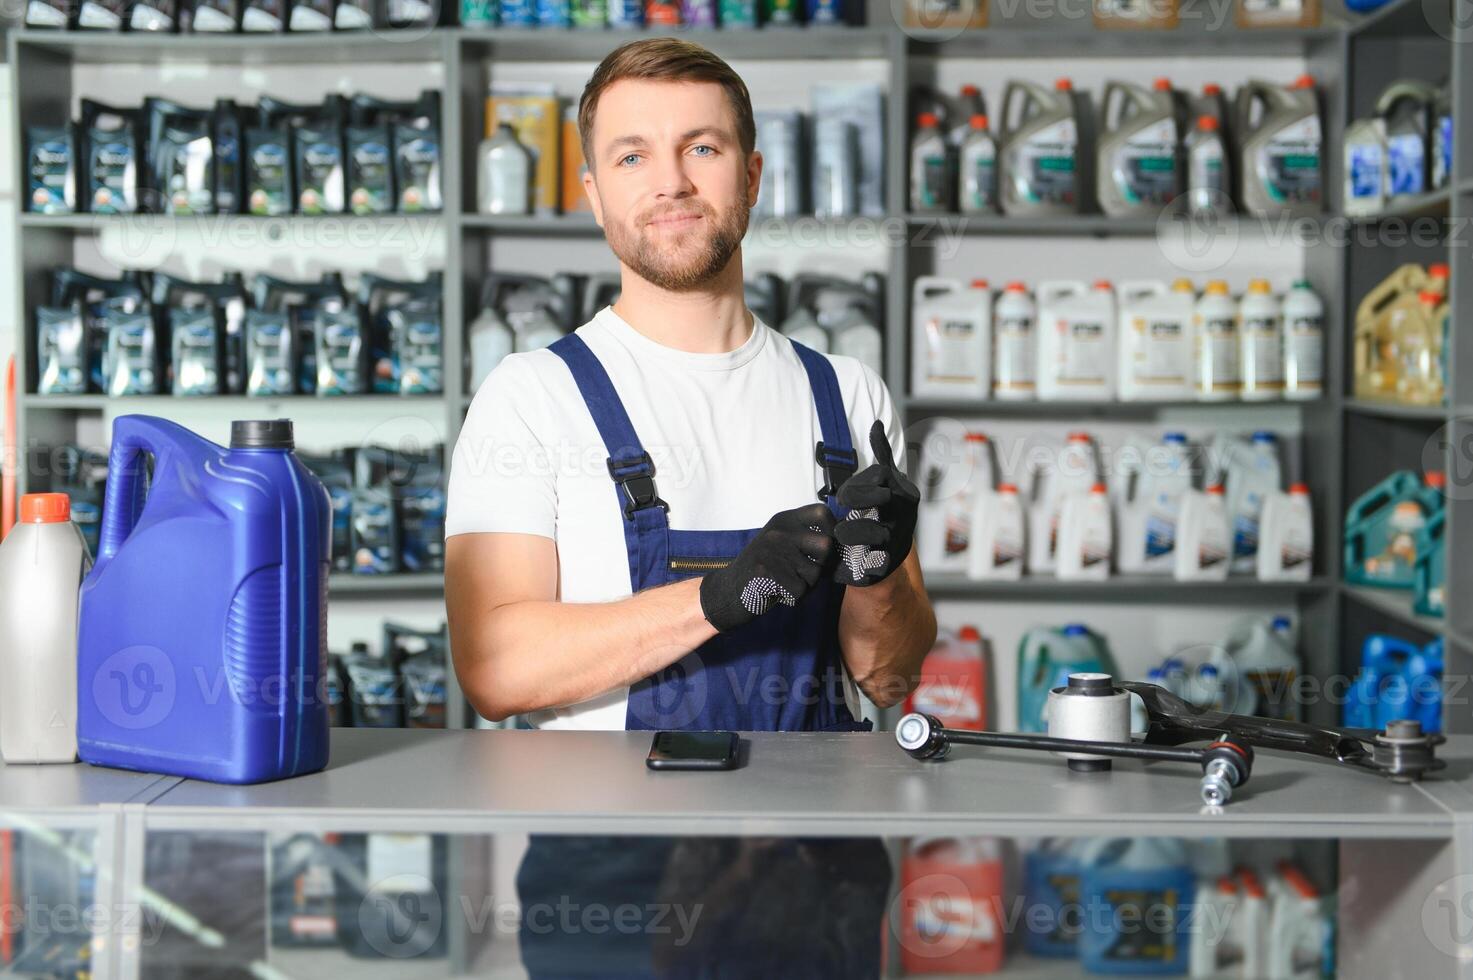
(881, 527)
(784, 561)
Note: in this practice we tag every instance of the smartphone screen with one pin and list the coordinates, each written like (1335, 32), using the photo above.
(693, 750)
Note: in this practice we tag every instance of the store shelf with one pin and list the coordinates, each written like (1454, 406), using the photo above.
(165, 404)
(1199, 32)
(931, 405)
(408, 583)
(1393, 410)
(531, 224)
(1433, 204)
(1395, 603)
(102, 222)
(1070, 225)
(145, 48)
(767, 44)
(1122, 588)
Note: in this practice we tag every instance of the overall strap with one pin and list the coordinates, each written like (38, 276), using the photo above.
(835, 451)
(630, 467)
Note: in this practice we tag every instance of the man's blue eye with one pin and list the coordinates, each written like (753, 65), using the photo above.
(632, 156)
(703, 146)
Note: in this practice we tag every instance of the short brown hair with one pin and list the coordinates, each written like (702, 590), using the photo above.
(668, 59)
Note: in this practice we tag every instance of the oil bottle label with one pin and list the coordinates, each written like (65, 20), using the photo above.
(1290, 164)
(1216, 355)
(1407, 163)
(1081, 359)
(1145, 170)
(1262, 352)
(1044, 170)
(1160, 351)
(1364, 163)
(1304, 352)
(1014, 356)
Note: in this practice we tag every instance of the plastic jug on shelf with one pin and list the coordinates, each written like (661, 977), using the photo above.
(1040, 152)
(1203, 549)
(1156, 341)
(1046, 658)
(1382, 528)
(955, 681)
(1379, 321)
(1138, 891)
(1150, 509)
(1279, 137)
(1138, 171)
(1051, 883)
(1301, 933)
(1398, 680)
(951, 338)
(956, 467)
(998, 543)
(1267, 668)
(1076, 341)
(1252, 474)
(1286, 536)
(951, 921)
(1075, 472)
(217, 570)
(42, 562)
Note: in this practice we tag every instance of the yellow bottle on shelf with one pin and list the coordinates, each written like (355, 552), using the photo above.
(1415, 332)
(1377, 364)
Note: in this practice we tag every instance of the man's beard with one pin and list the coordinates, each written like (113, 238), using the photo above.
(690, 265)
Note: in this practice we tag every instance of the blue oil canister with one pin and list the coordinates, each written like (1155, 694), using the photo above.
(202, 640)
(1136, 894)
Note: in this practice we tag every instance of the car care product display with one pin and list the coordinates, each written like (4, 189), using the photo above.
(1401, 337)
(362, 156)
(998, 544)
(1015, 345)
(1384, 526)
(1216, 361)
(977, 168)
(42, 562)
(1150, 508)
(1203, 550)
(955, 928)
(1076, 341)
(1126, 878)
(1086, 536)
(399, 682)
(956, 468)
(956, 681)
(522, 313)
(395, 511)
(1252, 473)
(1398, 680)
(1261, 335)
(1138, 170)
(1405, 108)
(1286, 536)
(1076, 470)
(1155, 341)
(833, 315)
(1046, 658)
(1279, 147)
(951, 337)
(1042, 150)
(204, 552)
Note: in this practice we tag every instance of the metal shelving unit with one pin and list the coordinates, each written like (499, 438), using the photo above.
(1351, 61)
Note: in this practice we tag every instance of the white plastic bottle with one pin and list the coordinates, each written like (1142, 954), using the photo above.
(42, 562)
(1076, 341)
(855, 336)
(1286, 536)
(955, 475)
(931, 179)
(1261, 335)
(534, 329)
(1150, 511)
(1207, 169)
(1216, 375)
(978, 178)
(506, 174)
(1212, 928)
(1076, 471)
(1253, 925)
(1015, 353)
(1203, 549)
(1252, 474)
(1304, 343)
(1298, 928)
(491, 339)
(1086, 536)
(1155, 341)
(951, 338)
(997, 546)
(1268, 666)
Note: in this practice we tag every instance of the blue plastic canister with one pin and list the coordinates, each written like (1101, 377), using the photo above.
(202, 643)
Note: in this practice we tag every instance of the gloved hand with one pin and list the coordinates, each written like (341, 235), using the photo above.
(780, 564)
(881, 527)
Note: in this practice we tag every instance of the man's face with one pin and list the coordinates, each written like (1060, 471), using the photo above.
(668, 181)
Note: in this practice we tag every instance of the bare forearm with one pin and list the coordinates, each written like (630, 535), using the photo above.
(885, 631)
(535, 654)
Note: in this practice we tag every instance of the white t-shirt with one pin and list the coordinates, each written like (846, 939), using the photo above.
(731, 435)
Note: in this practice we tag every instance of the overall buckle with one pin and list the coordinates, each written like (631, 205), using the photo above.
(635, 475)
(838, 465)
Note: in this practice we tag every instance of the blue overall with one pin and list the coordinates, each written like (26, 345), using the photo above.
(781, 672)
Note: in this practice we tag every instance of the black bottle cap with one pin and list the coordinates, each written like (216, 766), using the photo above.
(262, 434)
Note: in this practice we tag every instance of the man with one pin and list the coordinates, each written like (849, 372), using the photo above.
(676, 518)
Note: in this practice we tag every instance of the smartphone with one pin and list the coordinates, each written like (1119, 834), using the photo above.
(693, 750)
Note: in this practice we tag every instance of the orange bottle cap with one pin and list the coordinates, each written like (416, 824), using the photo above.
(1208, 124)
(926, 120)
(968, 633)
(1161, 84)
(1064, 85)
(979, 121)
(979, 283)
(1300, 488)
(1436, 479)
(976, 437)
(45, 508)
(1097, 488)
(1007, 488)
